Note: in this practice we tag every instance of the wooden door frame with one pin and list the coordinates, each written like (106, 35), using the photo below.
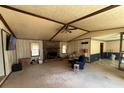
(101, 51)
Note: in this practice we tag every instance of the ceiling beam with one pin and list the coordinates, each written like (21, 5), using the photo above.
(57, 32)
(89, 15)
(80, 28)
(107, 29)
(99, 31)
(95, 13)
(32, 14)
(39, 16)
(6, 25)
(63, 28)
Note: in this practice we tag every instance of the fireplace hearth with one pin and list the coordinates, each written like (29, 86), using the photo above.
(52, 55)
(51, 49)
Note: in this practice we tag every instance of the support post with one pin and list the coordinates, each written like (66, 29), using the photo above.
(120, 56)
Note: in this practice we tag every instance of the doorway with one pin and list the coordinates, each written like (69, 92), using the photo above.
(101, 50)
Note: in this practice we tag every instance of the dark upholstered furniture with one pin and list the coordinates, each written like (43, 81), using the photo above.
(81, 61)
(16, 67)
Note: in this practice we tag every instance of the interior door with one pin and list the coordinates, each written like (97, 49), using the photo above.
(101, 50)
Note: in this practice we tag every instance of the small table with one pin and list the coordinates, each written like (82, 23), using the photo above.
(25, 61)
(76, 67)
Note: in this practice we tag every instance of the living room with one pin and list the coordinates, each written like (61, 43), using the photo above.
(43, 43)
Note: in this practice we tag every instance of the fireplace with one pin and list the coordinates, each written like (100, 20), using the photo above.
(52, 55)
(51, 49)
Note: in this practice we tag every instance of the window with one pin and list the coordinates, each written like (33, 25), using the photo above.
(35, 50)
(64, 49)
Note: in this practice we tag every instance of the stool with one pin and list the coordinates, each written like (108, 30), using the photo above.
(76, 67)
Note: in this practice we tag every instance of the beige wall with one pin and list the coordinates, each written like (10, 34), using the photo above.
(77, 46)
(24, 48)
(101, 33)
(10, 56)
(114, 46)
(95, 46)
(84, 46)
(71, 47)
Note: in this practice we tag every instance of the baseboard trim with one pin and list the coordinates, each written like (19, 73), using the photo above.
(4, 79)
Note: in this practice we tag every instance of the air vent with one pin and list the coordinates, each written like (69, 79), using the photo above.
(84, 42)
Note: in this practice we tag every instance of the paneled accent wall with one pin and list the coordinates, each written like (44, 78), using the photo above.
(77, 46)
(95, 49)
(95, 46)
(114, 46)
(23, 48)
(9, 56)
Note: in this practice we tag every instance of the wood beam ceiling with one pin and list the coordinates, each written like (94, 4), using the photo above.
(98, 31)
(95, 13)
(92, 14)
(28, 13)
(57, 32)
(7, 26)
(82, 18)
(107, 29)
(39, 16)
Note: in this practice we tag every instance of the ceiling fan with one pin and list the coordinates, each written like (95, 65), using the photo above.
(68, 29)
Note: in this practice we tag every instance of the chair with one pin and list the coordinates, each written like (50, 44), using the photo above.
(81, 61)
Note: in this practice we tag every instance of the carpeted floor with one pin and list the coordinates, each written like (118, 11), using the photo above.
(1, 78)
(58, 74)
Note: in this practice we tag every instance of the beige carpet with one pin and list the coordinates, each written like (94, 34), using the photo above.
(59, 74)
(1, 78)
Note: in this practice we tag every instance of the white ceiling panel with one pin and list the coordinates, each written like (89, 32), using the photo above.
(109, 19)
(29, 27)
(66, 36)
(114, 36)
(62, 13)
